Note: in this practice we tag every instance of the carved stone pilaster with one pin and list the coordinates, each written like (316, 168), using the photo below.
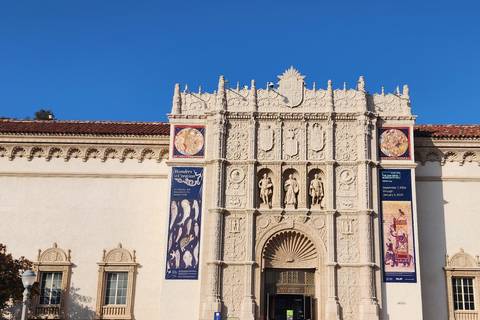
(248, 305)
(368, 305)
(213, 303)
(332, 309)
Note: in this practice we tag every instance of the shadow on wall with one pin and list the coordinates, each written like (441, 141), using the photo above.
(78, 306)
(432, 237)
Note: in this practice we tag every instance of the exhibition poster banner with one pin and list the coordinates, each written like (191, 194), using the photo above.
(394, 143)
(397, 225)
(189, 141)
(184, 224)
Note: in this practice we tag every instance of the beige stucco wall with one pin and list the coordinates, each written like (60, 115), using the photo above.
(448, 201)
(88, 207)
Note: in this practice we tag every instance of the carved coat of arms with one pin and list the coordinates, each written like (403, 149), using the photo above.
(316, 137)
(265, 138)
(291, 145)
(291, 87)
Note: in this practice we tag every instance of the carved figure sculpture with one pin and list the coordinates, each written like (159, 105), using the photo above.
(266, 189)
(316, 190)
(291, 190)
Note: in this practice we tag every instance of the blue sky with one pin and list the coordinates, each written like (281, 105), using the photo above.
(119, 60)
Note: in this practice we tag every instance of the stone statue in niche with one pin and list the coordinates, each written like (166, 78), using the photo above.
(291, 191)
(266, 190)
(316, 190)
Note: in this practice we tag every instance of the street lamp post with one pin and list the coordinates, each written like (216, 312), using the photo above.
(28, 279)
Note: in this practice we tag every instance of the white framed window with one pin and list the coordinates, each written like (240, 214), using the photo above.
(116, 283)
(50, 288)
(463, 278)
(463, 297)
(116, 291)
(53, 268)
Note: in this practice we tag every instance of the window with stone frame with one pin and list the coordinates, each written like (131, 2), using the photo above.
(116, 283)
(53, 268)
(463, 278)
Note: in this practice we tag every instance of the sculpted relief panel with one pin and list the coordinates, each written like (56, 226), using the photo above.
(266, 142)
(291, 148)
(346, 190)
(345, 141)
(232, 291)
(237, 141)
(348, 243)
(348, 292)
(316, 142)
(234, 239)
(236, 186)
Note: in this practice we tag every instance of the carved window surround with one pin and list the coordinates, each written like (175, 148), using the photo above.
(462, 265)
(52, 260)
(118, 260)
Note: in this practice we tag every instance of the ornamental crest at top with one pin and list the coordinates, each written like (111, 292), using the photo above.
(290, 95)
(291, 86)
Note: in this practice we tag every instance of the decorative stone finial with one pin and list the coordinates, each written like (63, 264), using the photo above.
(177, 100)
(39, 252)
(253, 96)
(383, 91)
(329, 87)
(314, 86)
(406, 92)
(344, 86)
(69, 257)
(200, 90)
(361, 84)
(119, 245)
(221, 95)
(134, 256)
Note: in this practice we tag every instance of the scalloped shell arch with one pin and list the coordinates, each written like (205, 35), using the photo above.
(290, 249)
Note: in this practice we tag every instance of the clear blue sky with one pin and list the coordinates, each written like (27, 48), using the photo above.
(119, 60)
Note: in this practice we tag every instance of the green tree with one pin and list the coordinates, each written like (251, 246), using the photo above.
(11, 286)
(44, 115)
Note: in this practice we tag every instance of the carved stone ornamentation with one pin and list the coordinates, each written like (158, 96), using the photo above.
(237, 141)
(266, 139)
(345, 141)
(348, 292)
(232, 291)
(348, 242)
(236, 186)
(290, 249)
(346, 178)
(234, 239)
(291, 87)
(290, 144)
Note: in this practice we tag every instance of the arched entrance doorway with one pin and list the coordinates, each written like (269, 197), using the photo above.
(290, 260)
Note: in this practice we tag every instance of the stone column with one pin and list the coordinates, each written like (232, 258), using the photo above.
(248, 305)
(332, 309)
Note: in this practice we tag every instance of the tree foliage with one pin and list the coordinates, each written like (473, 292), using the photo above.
(11, 286)
(44, 115)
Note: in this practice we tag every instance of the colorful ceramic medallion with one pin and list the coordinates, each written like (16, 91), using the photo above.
(189, 141)
(394, 143)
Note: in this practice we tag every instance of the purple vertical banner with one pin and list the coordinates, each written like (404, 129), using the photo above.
(397, 224)
(183, 248)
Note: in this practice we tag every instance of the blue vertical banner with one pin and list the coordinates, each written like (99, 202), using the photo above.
(183, 248)
(397, 225)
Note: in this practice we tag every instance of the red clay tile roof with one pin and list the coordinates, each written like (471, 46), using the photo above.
(447, 131)
(97, 128)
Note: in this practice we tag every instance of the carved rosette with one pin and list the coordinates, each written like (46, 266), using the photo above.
(232, 290)
(345, 141)
(346, 187)
(234, 239)
(236, 186)
(237, 141)
(348, 292)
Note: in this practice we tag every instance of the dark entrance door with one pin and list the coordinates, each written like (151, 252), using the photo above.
(278, 305)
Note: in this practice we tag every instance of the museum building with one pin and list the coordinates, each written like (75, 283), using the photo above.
(268, 204)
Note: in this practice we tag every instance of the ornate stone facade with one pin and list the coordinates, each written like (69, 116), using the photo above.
(270, 144)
